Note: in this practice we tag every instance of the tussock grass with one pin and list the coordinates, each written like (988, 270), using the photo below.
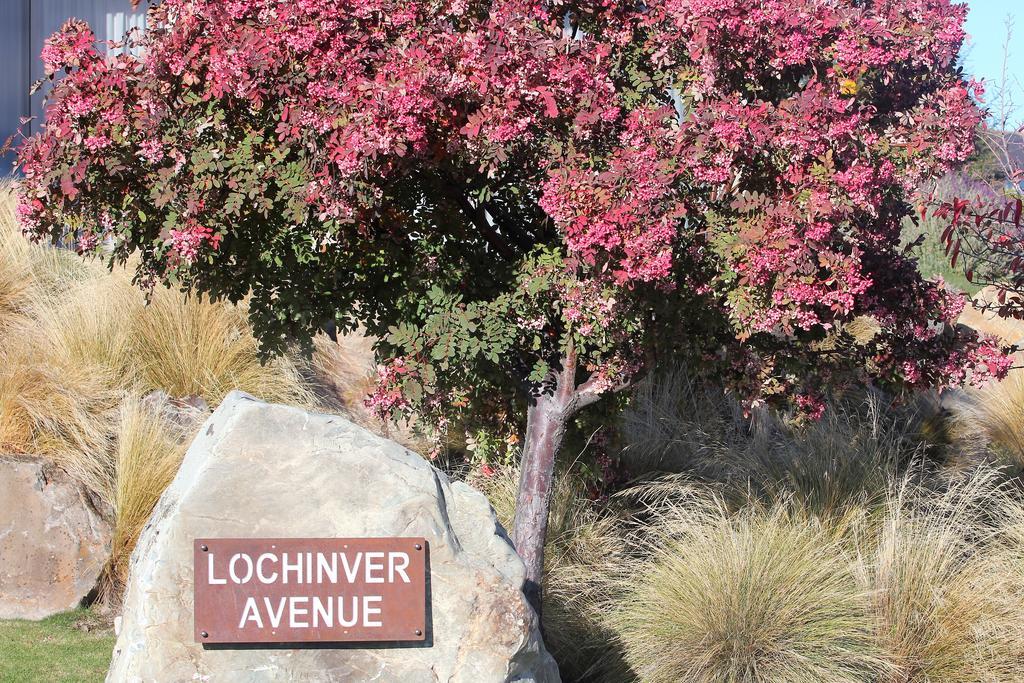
(995, 413)
(15, 277)
(1011, 537)
(930, 587)
(844, 550)
(87, 326)
(28, 270)
(190, 346)
(50, 408)
(675, 423)
(942, 600)
(75, 351)
(747, 597)
(844, 461)
(145, 461)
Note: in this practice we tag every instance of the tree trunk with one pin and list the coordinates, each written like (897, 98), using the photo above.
(545, 426)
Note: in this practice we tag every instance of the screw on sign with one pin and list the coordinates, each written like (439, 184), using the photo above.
(310, 590)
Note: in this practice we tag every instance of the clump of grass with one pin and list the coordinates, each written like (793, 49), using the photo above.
(939, 594)
(675, 423)
(145, 461)
(52, 409)
(928, 585)
(28, 270)
(187, 345)
(88, 326)
(75, 355)
(582, 552)
(996, 414)
(841, 462)
(754, 596)
(15, 278)
(126, 474)
(1011, 538)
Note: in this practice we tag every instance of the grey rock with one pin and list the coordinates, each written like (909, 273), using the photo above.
(182, 415)
(53, 543)
(267, 471)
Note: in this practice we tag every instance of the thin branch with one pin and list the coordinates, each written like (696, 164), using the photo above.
(476, 216)
(509, 226)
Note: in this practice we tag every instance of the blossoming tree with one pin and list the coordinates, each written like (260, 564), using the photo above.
(529, 202)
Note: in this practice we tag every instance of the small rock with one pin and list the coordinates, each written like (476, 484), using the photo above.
(183, 414)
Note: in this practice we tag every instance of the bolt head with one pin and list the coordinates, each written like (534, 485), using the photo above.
(418, 546)
(419, 632)
(204, 634)
(204, 547)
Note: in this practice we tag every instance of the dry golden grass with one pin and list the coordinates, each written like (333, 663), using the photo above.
(829, 553)
(941, 595)
(26, 270)
(15, 277)
(1010, 546)
(74, 354)
(189, 346)
(996, 414)
(756, 596)
(87, 326)
(145, 461)
(52, 409)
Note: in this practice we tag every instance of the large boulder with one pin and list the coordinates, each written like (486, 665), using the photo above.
(53, 543)
(268, 471)
(979, 314)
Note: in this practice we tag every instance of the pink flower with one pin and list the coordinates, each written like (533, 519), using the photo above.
(73, 45)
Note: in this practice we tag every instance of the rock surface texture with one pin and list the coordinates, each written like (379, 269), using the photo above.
(267, 471)
(53, 543)
(979, 314)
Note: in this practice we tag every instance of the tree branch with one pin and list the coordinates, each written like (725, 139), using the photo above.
(510, 227)
(478, 218)
(588, 392)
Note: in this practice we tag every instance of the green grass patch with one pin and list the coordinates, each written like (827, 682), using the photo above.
(71, 647)
(931, 255)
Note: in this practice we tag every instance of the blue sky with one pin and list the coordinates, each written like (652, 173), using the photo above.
(983, 54)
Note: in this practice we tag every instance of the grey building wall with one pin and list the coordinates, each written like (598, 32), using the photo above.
(24, 25)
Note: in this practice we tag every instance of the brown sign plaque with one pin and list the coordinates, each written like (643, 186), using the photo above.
(310, 590)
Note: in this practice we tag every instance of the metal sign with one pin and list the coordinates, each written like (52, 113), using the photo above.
(310, 590)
